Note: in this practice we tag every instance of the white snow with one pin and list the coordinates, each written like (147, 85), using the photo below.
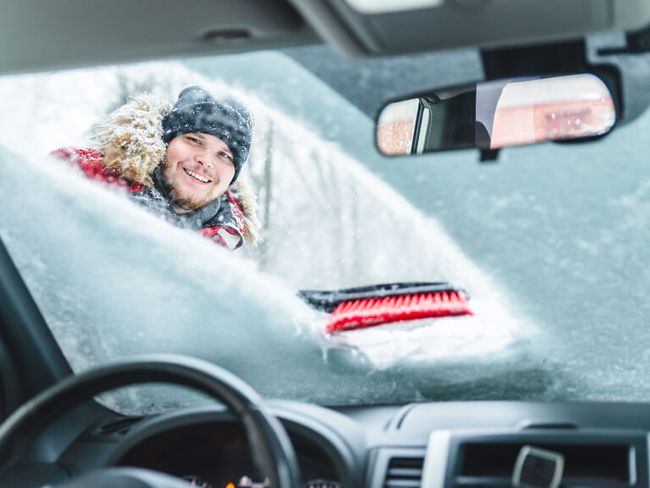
(114, 281)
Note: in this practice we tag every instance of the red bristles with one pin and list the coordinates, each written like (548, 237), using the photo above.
(369, 312)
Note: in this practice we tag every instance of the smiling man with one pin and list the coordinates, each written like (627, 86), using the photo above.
(182, 162)
(199, 169)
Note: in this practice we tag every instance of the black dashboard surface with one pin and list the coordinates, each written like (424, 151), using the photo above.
(428, 444)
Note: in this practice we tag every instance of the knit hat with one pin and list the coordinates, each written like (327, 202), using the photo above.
(196, 111)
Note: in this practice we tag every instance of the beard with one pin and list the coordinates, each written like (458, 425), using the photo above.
(181, 201)
(187, 203)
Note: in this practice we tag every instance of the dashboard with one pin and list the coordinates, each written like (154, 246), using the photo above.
(429, 445)
(216, 453)
(209, 448)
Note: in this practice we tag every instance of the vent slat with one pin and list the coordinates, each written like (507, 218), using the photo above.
(402, 484)
(404, 473)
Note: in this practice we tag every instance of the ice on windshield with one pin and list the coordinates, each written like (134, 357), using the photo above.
(112, 280)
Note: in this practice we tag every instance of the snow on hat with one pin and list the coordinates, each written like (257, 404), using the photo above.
(226, 118)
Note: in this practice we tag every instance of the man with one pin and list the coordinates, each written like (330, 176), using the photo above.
(183, 162)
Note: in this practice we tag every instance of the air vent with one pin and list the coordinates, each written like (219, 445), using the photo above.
(404, 472)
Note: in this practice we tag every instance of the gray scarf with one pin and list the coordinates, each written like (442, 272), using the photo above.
(159, 200)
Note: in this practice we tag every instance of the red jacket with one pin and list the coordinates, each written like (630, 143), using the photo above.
(226, 228)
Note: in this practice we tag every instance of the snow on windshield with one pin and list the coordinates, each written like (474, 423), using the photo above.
(112, 280)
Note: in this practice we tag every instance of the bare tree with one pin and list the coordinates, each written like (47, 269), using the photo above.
(128, 87)
(264, 188)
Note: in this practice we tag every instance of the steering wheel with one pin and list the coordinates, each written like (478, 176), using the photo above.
(273, 453)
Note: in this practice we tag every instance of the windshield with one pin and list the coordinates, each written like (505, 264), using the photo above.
(549, 243)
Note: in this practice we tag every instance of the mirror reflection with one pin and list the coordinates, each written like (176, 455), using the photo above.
(497, 114)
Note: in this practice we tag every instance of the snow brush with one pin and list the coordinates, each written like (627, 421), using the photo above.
(369, 306)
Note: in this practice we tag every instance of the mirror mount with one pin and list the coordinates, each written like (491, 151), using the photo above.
(637, 42)
(489, 156)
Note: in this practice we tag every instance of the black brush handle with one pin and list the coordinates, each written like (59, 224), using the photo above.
(328, 300)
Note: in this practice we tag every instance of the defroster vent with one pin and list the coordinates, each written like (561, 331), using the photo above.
(404, 472)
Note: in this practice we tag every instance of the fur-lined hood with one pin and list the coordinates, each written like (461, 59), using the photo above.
(130, 141)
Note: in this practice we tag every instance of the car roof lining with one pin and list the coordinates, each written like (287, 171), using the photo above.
(468, 23)
(39, 36)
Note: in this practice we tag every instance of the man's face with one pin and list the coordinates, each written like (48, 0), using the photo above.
(198, 169)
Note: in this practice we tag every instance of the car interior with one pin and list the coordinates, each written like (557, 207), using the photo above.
(55, 433)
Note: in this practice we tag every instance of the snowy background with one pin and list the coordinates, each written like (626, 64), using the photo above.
(113, 281)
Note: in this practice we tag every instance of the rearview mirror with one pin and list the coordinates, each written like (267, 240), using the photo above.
(497, 114)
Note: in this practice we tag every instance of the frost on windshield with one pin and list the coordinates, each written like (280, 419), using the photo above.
(113, 281)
